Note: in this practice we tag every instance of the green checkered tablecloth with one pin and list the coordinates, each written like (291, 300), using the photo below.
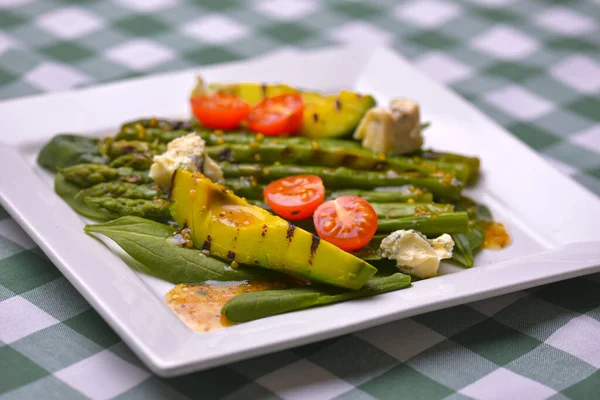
(533, 66)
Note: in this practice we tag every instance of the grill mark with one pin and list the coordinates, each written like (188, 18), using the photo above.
(183, 125)
(314, 245)
(171, 185)
(206, 244)
(290, 233)
(315, 117)
(338, 104)
(225, 155)
(263, 88)
(380, 166)
(295, 212)
(316, 155)
(287, 152)
(231, 255)
(348, 159)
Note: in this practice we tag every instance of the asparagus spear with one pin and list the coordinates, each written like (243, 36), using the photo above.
(436, 224)
(159, 123)
(69, 193)
(390, 195)
(387, 211)
(343, 178)
(217, 137)
(151, 134)
(392, 211)
(115, 148)
(123, 190)
(140, 161)
(446, 157)
(86, 175)
(246, 187)
(250, 189)
(327, 154)
(157, 209)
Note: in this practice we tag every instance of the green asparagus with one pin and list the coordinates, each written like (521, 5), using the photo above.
(446, 157)
(139, 161)
(159, 123)
(436, 224)
(329, 155)
(444, 187)
(86, 175)
(115, 148)
(151, 134)
(124, 190)
(157, 209)
(246, 187)
(399, 194)
(388, 211)
(69, 193)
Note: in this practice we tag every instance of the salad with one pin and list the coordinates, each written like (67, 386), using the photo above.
(273, 199)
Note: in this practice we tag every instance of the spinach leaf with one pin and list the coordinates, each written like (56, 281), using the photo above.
(149, 243)
(255, 305)
(466, 245)
(68, 192)
(66, 150)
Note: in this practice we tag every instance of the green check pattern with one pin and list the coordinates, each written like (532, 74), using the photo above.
(532, 65)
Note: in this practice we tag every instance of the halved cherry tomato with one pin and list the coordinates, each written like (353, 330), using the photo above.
(349, 222)
(219, 111)
(295, 197)
(277, 115)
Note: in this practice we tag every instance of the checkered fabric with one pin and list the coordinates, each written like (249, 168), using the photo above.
(532, 65)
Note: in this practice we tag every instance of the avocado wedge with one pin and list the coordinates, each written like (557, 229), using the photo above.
(228, 227)
(325, 116)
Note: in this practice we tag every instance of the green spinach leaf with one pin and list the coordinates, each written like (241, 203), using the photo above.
(466, 245)
(67, 149)
(255, 305)
(150, 244)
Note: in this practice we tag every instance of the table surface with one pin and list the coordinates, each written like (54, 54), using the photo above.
(533, 66)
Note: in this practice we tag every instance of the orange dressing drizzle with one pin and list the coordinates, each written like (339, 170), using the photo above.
(496, 236)
(199, 306)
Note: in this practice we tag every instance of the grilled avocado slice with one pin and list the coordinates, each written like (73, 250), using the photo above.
(334, 115)
(228, 227)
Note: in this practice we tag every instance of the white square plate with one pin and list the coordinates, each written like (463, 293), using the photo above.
(550, 217)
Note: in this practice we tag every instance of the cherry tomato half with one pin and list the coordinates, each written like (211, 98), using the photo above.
(277, 115)
(219, 111)
(349, 222)
(295, 197)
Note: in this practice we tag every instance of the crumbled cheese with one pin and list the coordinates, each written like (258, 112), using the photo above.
(415, 254)
(392, 130)
(187, 152)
